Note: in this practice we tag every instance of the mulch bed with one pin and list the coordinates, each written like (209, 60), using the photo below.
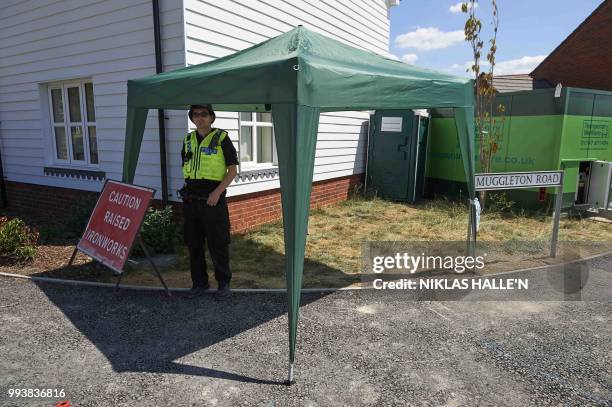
(51, 261)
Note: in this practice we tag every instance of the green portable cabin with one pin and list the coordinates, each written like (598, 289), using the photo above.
(543, 130)
(397, 148)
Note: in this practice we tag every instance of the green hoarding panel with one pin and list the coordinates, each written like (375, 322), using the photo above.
(587, 138)
(421, 155)
(536, 104)
(444, 159)
(603, 105)
(570, 180)
(531, 144)
(525, 146)
(580, 104)
(587, 126)
(537, 135)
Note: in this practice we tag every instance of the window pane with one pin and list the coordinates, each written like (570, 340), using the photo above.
(78, 148)
(60, 143)
(264, 117)
(246, 144)
(246, 116)
(74, 104)
(58, 106)
(93, 144)
(89, 99)
(264, 144)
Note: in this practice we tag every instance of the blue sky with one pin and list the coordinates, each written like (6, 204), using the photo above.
(427, 33)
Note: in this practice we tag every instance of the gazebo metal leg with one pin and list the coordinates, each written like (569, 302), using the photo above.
(290, 380)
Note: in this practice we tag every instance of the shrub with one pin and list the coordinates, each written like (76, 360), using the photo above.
(158, 232)
(17, 240)
(499, 202)
(79, 215)
(51, 233)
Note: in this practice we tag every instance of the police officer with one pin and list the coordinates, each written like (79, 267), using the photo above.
(209, 166)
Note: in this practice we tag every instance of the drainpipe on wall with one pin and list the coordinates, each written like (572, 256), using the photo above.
(3, 202)
(160, 112)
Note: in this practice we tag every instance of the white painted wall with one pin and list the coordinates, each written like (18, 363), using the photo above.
(218, 28)
(111, 41)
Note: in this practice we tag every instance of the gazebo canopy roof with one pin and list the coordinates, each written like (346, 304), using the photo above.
(306, 68)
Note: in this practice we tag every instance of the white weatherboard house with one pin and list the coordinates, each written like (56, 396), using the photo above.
(64, 66)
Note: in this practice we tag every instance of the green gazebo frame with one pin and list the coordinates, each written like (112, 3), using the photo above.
(296, 76)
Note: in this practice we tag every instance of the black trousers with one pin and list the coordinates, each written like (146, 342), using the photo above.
(207, 225)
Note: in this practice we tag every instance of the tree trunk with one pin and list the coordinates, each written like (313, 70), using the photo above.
(483, 199)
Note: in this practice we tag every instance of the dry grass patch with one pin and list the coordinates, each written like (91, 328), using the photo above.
(336, 235)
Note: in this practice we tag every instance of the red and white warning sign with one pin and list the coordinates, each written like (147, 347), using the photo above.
(114, 223)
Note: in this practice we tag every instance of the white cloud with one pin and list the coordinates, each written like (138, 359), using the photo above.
(429, 38)
(521, 65)
(457, 66)
(410, 58)
(456, 8)
(467, 65)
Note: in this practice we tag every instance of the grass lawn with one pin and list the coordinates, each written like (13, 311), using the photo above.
(335, 238)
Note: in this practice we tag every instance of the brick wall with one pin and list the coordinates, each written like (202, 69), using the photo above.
(246, 211)
(585, 58)
(41, 201)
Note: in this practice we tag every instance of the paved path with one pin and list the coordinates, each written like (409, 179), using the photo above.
(355, 348)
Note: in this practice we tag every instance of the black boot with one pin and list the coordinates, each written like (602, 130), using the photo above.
(198, 290)
(223, 291)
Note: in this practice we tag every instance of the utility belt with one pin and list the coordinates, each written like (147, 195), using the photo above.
(188, 196)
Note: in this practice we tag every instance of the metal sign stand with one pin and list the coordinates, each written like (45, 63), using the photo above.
(527, 184)
(555, 232)
(147, 253)
(471, 233)
(116, 266)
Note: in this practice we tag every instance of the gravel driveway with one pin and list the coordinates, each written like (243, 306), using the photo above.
(355, 348)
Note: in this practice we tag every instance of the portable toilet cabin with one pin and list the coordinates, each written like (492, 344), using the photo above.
(543, 130)
(396, 160)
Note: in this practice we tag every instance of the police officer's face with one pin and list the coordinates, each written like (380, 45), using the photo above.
(202, 118)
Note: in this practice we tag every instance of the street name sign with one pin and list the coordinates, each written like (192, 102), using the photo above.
(513, 180)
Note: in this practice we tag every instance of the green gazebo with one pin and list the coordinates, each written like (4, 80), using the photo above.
(296, 76)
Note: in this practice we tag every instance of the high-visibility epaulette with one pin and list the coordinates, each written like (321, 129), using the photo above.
(215, 139)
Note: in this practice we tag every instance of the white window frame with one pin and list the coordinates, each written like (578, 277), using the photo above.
(254, 125)
(84, 123)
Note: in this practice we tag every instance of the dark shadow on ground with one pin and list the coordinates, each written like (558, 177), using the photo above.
(146, 331)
